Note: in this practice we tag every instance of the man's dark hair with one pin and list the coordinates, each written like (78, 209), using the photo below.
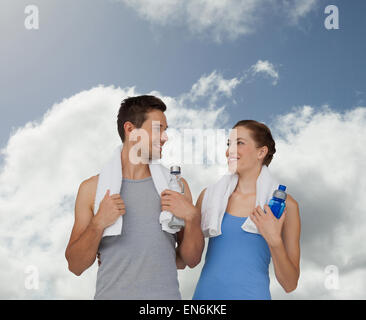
(134, 109)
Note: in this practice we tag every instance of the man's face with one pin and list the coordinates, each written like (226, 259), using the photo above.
(152, 135)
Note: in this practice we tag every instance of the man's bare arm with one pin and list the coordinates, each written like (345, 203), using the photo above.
(191, 242)
(88, 228)
(178, 259)
(85, 237)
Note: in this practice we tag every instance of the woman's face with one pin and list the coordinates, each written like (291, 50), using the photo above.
(242, 153)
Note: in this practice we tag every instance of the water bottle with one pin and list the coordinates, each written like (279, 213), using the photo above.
(176, 184)
(277, 203)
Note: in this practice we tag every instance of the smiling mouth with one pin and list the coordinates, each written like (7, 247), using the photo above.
(232, 159)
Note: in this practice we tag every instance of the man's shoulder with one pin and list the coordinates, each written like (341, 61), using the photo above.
(90, 183)
(88, 188)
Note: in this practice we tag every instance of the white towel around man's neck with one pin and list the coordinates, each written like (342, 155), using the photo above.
(110, 178)
(216, 197)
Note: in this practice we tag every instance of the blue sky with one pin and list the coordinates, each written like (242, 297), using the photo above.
(268, 60)
(81, 44)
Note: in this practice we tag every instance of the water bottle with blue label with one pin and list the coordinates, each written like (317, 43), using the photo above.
(277, 203)
(176, 184)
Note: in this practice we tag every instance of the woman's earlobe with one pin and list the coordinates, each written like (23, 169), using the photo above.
(261, 157)
(263, 152)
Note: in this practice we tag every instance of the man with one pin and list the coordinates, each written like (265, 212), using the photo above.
(142, 262)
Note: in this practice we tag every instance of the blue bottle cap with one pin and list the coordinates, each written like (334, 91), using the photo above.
(281, 187)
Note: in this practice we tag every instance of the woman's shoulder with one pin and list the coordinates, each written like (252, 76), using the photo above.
(200, 198)
(292, 206)
(291, 201)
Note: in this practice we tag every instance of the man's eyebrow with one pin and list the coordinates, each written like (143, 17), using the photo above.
(163, 126)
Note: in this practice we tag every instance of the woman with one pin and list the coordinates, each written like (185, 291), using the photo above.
(236, 264)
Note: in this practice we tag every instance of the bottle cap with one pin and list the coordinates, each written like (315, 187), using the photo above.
(280, 192)
(281, 187)
(175, 169)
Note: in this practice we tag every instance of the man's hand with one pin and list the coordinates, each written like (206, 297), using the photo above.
(110, 208)
(178, 204)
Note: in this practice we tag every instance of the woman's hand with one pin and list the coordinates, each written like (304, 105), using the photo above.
(178, 204)
(268, 225)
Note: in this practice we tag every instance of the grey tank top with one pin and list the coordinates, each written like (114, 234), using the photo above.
(140, 263)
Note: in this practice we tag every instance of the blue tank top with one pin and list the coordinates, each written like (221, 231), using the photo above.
(236, 265)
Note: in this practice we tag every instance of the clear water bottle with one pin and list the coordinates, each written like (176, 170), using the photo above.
(176, 184)
(277, 203)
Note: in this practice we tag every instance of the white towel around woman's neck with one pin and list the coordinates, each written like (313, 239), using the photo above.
(110, 178)
(216, 197)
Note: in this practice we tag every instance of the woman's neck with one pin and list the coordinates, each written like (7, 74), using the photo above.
(247, 182)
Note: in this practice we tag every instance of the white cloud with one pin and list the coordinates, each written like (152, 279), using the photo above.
(266, 68)
(214, 86)
(297, 9)
(320, 157)
(229, 18)
(220, 19)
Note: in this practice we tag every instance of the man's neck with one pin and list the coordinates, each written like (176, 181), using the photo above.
(133, 171)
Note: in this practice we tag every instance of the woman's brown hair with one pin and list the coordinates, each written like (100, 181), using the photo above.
(262, 136)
